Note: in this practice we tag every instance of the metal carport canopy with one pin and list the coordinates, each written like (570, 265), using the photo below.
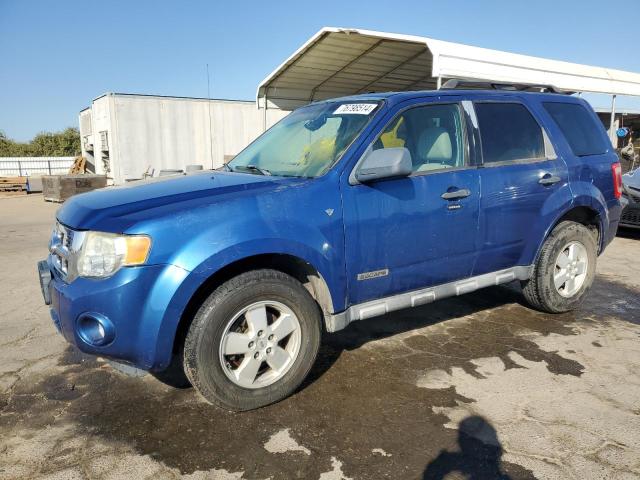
(345, 61)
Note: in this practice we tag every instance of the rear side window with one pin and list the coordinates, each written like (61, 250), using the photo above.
(579, 127)
(508, 132)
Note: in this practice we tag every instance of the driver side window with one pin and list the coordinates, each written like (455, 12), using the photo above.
(432, 133)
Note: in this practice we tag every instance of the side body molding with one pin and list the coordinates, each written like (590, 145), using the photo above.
(415, 298)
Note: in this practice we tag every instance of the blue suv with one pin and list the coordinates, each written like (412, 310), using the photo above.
(345, 210)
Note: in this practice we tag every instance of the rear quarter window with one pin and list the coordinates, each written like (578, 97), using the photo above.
(583, 132)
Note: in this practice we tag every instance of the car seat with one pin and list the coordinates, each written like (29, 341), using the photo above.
(434, 149)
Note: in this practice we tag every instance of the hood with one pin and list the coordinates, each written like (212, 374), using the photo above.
(92, 210)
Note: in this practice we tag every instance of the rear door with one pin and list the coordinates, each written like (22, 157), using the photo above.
(520, 172)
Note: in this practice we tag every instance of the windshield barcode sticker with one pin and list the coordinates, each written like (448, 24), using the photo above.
(355, 108)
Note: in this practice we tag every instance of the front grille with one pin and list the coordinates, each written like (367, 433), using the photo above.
(630, 216)
(61, 240)
(64, 243)
(634, 194)
(67, 239)
(65, 246)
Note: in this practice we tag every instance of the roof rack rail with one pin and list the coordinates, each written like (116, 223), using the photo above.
(455, 83)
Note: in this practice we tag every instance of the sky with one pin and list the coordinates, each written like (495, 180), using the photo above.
(56, 56)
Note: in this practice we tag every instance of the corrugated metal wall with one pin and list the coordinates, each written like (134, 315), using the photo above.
(30, 166)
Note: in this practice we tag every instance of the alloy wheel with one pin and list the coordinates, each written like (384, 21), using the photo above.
(260, 344)
(570, 270)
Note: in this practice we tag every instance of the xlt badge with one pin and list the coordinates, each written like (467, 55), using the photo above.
(375, 274)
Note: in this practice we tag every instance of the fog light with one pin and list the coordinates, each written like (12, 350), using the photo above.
(95, 329)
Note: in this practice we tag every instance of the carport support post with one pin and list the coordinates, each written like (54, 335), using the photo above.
(439, 83)
(264, 118)
(613, 118)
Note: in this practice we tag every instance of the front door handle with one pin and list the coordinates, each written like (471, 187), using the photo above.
(456, 194)
(549, 179)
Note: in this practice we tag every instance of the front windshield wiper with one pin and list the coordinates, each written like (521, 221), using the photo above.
(253, 168)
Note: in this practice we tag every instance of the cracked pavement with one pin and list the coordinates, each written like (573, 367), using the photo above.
(478, 386)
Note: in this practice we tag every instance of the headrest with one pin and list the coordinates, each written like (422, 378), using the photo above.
(434, 145)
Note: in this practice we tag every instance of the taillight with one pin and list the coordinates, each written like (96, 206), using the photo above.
(616, 170)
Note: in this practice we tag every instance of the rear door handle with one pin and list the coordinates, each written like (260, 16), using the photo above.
(549, 179)
(456, 194)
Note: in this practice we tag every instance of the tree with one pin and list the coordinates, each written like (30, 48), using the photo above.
(46, 144)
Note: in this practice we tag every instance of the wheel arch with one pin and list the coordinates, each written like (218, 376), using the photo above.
(583, 214)
(291, 265)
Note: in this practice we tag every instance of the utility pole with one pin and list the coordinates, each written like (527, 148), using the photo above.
(613, 119)
(210, 121)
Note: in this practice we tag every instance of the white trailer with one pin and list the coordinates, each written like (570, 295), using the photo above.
(126, 135)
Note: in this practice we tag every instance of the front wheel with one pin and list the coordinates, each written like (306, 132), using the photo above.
(253, 341)
(565, 269)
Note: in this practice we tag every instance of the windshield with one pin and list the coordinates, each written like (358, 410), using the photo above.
(307, 142)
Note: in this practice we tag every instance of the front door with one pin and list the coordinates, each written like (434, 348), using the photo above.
(408, 233)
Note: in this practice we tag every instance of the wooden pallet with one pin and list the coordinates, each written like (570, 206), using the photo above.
(13, 184)
(20, 180)
(8, 193)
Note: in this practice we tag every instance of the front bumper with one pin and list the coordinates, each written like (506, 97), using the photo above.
(125, 317)
(44, 273)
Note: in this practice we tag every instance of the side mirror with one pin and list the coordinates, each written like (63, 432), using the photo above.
(384, 163)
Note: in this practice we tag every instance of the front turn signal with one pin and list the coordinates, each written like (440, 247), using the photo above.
(138, 247)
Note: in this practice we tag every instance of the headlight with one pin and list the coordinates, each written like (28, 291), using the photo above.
(103, 254)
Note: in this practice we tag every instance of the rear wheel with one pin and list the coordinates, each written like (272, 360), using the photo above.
(253, 341)
(565, 269)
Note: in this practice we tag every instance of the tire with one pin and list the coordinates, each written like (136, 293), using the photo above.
(213, 373)
(540, 290)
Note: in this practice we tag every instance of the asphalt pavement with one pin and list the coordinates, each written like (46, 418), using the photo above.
(475, 385)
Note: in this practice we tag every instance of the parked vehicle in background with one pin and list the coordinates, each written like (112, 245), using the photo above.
(631, 194)
(345, 210)
(628, 156)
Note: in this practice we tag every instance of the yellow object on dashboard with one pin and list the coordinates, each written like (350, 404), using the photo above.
(319, 152)
(390, 138)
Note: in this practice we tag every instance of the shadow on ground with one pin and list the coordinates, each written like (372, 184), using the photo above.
(631, 233)
(478, 456)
